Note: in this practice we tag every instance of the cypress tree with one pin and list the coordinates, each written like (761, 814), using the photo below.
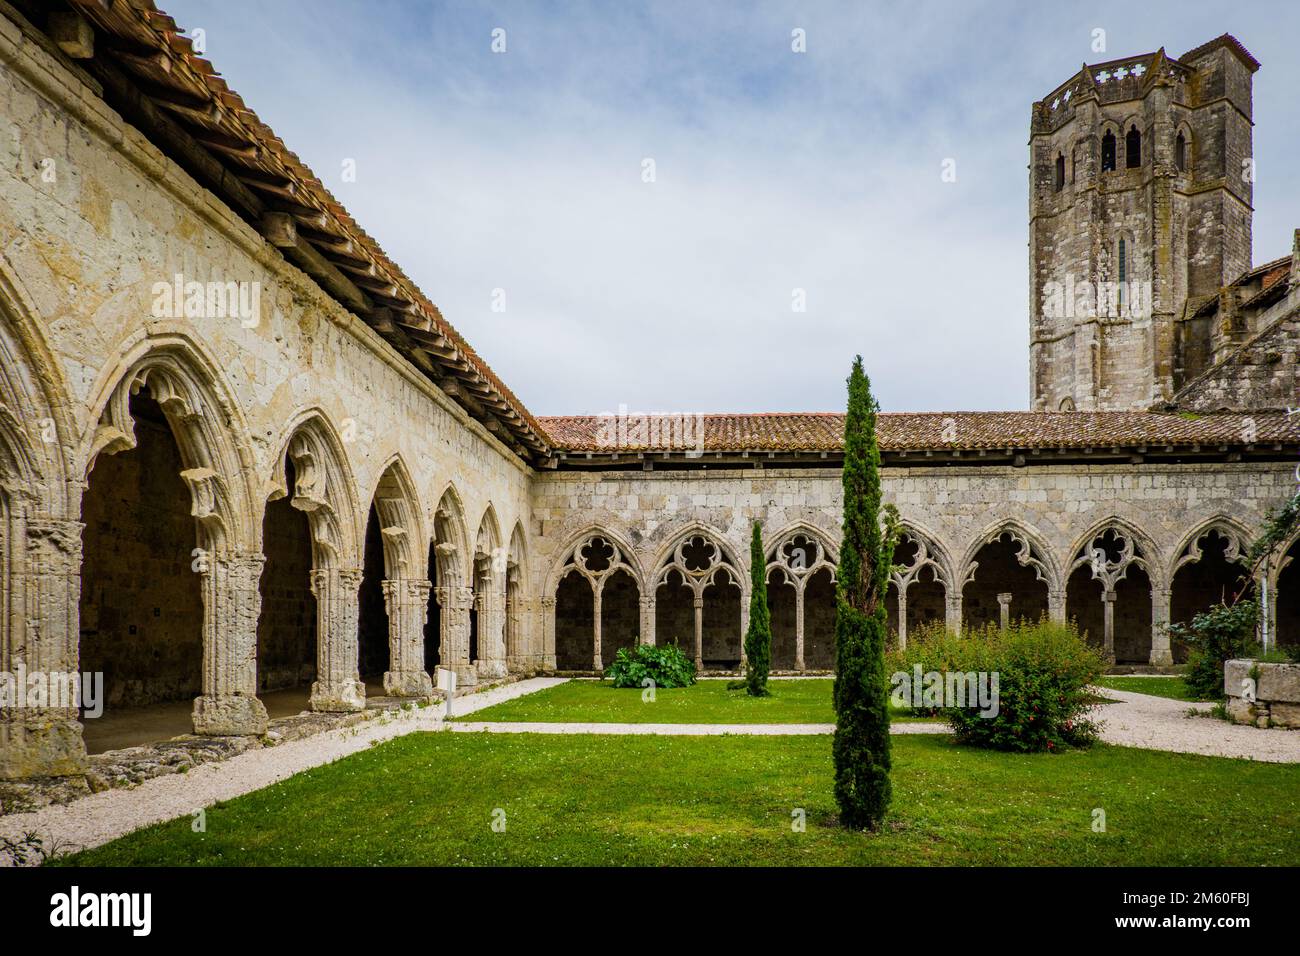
(758, 638)
(861, 743)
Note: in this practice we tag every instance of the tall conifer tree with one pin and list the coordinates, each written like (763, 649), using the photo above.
(758, 638)
(861, 743)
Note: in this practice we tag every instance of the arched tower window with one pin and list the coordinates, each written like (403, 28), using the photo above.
(1108, 152)
(1132, 148)
(1180, 152)
(1060, 172)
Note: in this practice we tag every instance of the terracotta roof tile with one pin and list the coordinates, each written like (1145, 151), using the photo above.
(907, 431)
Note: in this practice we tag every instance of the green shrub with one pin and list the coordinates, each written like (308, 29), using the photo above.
(1044, 671)
(1220, 634)
(664, 665)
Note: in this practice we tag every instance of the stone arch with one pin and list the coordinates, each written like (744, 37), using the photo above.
(1186, 162)
(517, 600)
(1284, 593)
(1112, 581)
(920, 563)
(487, 617)
(394, 596)
(325, 490)
(217, 469)
(596, 589)
(699, 563)
(40, 540)
(1024, 561)
(453, 593)
(1208, 565)
(801, 561)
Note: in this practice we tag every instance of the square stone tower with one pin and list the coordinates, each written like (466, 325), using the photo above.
(1140, 190)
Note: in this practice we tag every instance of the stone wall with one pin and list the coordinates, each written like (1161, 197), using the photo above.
(1055, 510)
(96, 222)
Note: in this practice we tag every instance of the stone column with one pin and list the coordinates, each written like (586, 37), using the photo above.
(597, 592)
(1108, 624)
(407, 601)
(491, 662)
(952, 610)
(231, 602)
(43, 631)
(1161, 653)
(902, 617)
(454, 604)
(516, 654)
(699, 632)
(338, 687)
(1004, 609)
(647, 620)
(1056, 606)
(548, 634)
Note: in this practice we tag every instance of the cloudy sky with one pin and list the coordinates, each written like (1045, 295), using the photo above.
(524, 171)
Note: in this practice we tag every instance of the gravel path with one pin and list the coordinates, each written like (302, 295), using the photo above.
(1138, 720)
(101, 817)
(1158, 723)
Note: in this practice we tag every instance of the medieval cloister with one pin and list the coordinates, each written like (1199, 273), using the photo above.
(334, 496)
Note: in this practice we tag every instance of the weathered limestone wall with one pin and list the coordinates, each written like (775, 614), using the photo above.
(92, 216)
(1056, 509)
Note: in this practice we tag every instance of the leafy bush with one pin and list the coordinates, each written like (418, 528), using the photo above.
(1044, 672)
(665, 665)
(1214, 636)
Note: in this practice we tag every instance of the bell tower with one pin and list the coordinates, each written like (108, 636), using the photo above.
(1140, 189)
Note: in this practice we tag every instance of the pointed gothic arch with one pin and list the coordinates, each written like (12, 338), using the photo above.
(487, 618)
(518, 657)
(450, 568)
(920, 582)
(325, 490)
(699, 566)
(1007, 573)
(1209, 565)
(1111, 583)
(801, 566)
(596, 589)
(213, 456)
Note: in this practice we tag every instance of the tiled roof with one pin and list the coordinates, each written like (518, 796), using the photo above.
(224, 143)
(908, 431)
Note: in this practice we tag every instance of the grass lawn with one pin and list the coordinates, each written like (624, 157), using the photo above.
(429, 799)
(1172, 687)
(707, 702)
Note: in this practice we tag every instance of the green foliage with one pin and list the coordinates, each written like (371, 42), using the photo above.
(665, 665)
(861, 746)
(1277, 530)
(1045, 671)
(758, 638)
(1223, 632)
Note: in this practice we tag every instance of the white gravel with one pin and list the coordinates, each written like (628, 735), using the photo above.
(1158, 723)
(1138, 720)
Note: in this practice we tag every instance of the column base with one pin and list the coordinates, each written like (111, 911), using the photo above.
(466, 675)
(491, 670)
(348, 696)
(1162, 658)
(41, 746)
(229, 715)
(414, 684)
